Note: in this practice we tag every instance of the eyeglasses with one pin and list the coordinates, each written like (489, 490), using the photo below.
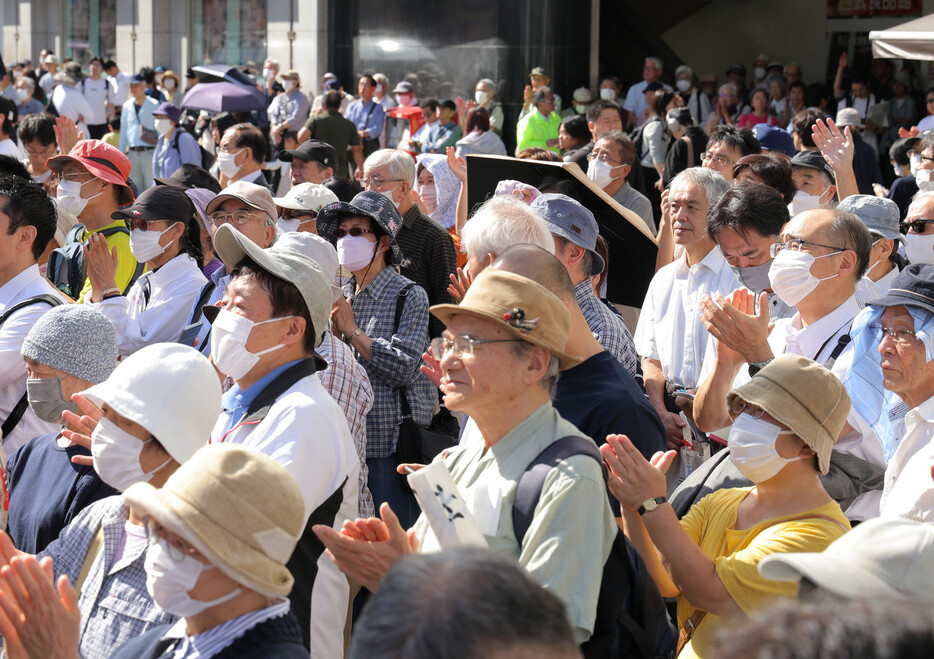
(901, 337)
(354, 232)
(739, 406)
(916, 226)
(226, 149)
(292, 214)
(721, 160)
(462, 345)
(133, 223)
(796, 244)
(47, 153)
(79, 177)
(602, 157)
(178, 548)
(235, 218)
(378, 182)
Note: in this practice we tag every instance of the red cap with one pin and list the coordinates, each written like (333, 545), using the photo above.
(103, 161)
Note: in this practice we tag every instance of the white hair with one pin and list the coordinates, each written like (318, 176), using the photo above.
(381, 79)
(715, 186)
(501, 222)
(684, 68)
(657, 62)
(400, 164)
(489, 84)
(273, 62)
(728, 87)
(920, 199)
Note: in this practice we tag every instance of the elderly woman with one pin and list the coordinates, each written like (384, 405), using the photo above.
(25, 94)
(176, 146)
(480, 138)
(785, 421)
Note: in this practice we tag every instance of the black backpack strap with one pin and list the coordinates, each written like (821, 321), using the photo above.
(529, 488)
(19, 409)
(838, 349)
(259, 408)
(202, 300)
(400, 305)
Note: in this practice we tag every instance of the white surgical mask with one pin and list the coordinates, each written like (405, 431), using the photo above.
(805, 202)
(69, 196)
(923, 179)
(144, 244)
(229, 334)
(759, 72)
(269, 74)
(600, 173)
(168, 581)
(481, 97)
(226, 162)
(683, 85)
(355, 252)
(608, 94)
(388, 194)
(288, 85)
(116, 456)
(163, 126)
(47, 400)
(290, 224)
(23, 95)
(580, 109)
(914, 164)
(429, 196)
(790, 275)
(169, 83)
(752, 448)
(919, 249)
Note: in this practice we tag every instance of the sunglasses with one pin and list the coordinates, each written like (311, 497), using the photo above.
(354, 232)
(916, 226)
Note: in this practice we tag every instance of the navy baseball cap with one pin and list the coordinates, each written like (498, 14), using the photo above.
(312, 150)
(812, 160)
(136, 78)
(169, 110)
(912, 287)
(774, 138)
(368, 204)
(568, 219)
(160, 202)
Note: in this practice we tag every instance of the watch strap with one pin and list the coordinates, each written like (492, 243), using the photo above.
(658, 501)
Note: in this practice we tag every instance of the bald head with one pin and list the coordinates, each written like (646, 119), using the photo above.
(538, 265)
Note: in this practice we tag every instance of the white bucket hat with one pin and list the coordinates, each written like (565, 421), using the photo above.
(306, 196)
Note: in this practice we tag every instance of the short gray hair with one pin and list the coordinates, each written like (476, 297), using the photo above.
(922, 197)
(729, 87)
(715, 186)
(684, 68)
(549, 381)
(400, 164)
(489, 83)
(501, 222)
(657, 62)
(29, 81)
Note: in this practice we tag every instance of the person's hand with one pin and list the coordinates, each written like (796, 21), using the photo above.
(527, 95)
(102, 265)
(365, 549)
(408, 467)
(432, 369)
(342, 317)
(51, 184)
(38, 618)
(456, 164)
(836, 147)
(462, 106)
(735, 324)
(416, 198)
(904, 134)
(83, 425)
(66, 134)
(880, 191)
(841, 63)
(632, 478)
(460, 282)
(658, 185)
(358, 173)
(673, 424)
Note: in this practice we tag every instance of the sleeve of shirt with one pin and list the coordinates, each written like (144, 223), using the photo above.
(63, 550)
(644, 338)
(396, 361)
(12, 334)
(441, 265)
(273, 110)
(374, 126)
(630, 103)
(572, 520)
(124, 128)
(297, 111)
(189, 150)
(524, 134)
(654, 137)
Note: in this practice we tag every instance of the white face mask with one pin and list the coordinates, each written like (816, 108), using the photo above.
(288, 85)
(759, 72)
(145, 244)
(163, 126)
(805, 202)
(389, 193)
(683, 85)
(914, 164)
(355, 252)
(379, 89)
(481, 97)
(752, 448)
(69, 196)
(116, 456)
(600, 173)
(226, 163)
(168, 581)
(923, 179)
(580, 109)
(269, 74)
(23, 95)
(870, 268)
(608, 94)
(919, 249)
(288, 225)
(169, 83)
(229, 334)
(791, 278)
(429, 197)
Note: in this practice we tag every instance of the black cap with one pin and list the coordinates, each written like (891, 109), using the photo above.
(737, 69)
(190, 73)
(368, 204)
(654, 86)
(912, 287)
(191, 176)
(162, 202)
(312, 150)
(812, 160)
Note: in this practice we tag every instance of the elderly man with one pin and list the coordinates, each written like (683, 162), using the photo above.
(500, 356)
(538, 79)
(611, 162)
(428, 254)
(138, 134)
(670, 337)
(881, 219)
(635, 103)
(575, 232)
(241, 154)
(539, 128)
(274, 314)
(313, 161)
(919, 221)
(250, 209)
(485, 97)
(695, 100)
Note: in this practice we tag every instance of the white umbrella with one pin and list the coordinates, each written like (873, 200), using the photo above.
(911, 40)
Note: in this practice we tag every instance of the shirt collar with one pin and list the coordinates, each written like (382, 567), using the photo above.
(376, 287)
(237, 398)
(812, 337)
(713, 261)
(211, 641)
(27, 276)
(923, 413)
(583, 290)
(522, 431)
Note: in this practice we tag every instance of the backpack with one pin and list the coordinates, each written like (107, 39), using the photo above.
(637, 136)
(632, 621)
(207, 158)
(67, 269)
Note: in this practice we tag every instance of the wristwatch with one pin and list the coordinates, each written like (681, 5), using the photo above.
(755, 367)
(651, 504)
(357, 332)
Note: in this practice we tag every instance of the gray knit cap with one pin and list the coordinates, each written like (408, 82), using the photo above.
(74, 338)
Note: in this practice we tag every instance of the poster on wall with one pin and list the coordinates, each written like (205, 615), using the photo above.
(854, 8)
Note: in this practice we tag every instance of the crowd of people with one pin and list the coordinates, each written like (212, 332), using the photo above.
(231, 344)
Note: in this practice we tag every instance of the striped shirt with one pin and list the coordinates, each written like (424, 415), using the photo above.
(608, 329)
(209, 643)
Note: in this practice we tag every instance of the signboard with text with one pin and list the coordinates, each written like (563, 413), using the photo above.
(851, 8)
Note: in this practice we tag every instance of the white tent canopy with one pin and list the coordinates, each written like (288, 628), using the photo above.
(911, 40)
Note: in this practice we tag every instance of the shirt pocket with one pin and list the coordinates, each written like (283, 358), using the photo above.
(131, 610)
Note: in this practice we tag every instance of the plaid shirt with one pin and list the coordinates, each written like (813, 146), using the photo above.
(608, 329)
(115, 605)
(428, 258)
(395, 357)
(349, 385)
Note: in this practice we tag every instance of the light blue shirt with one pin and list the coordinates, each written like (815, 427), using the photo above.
(130, 122)
(210, 643)
(358, 112)
(237, 401)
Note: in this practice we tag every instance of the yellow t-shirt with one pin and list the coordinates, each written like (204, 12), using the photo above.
(736, 554)
(126, 262)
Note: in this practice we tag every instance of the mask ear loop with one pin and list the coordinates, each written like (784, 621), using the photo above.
(153, 472)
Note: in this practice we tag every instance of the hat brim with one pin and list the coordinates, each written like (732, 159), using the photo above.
(900, 297)
(329, 219)
(828, 571)
(289, 155)
(445, 312)
(169, 510)
(168, 180)
(98, 171)
(285, 202)
(224, 196)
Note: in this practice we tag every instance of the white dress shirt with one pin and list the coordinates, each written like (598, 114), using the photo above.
(670, 329)
(28, 283)
(909, 487)
(71, 103)
(173, 289)
(119, 90)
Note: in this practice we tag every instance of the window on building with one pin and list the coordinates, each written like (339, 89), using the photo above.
(228, 31)
(91, 29)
